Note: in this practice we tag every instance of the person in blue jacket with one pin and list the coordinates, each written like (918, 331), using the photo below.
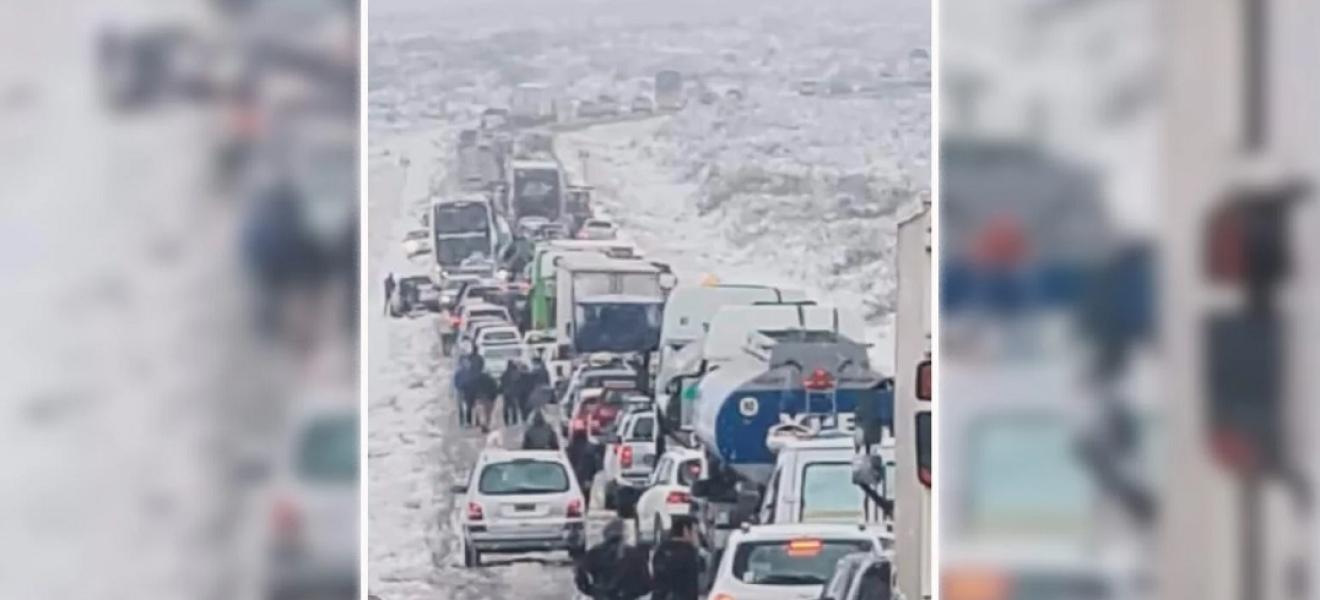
(462, 376)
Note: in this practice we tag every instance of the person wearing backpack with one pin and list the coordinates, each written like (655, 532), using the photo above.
(613, 569)
(676, 565)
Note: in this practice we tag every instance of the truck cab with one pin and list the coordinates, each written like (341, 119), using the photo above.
(812, 483)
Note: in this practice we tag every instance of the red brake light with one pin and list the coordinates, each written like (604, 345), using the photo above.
(1227, 246)
(1001, 244)
(820, 379)
(626, 456)
(285, 518)
(923, 380)
(245, 121)
(1233, 449)
(678, 497)
(474, 512)
(575, 508)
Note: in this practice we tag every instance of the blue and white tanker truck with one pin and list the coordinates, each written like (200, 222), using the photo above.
(803, 377)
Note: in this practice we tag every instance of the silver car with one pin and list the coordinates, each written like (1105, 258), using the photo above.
(519, 501)
(312, 534)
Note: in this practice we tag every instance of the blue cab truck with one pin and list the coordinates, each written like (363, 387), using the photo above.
(818, 378)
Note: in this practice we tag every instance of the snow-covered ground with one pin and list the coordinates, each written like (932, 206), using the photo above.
(780, 188)
(119, 329)
(415, 448)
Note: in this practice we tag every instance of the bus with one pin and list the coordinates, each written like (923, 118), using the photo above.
(536, 190)
(462, 227)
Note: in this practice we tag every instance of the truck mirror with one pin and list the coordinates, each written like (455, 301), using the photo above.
(674, 386)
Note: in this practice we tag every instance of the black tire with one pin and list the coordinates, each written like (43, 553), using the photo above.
(610, 503)
(657, 530)
(471, 557)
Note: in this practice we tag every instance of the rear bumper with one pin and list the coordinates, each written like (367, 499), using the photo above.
(290, 579)
(537, 537)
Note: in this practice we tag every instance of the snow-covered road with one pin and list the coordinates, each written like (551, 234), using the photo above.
(416, 449)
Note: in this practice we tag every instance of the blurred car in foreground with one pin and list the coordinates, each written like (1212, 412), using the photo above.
(313, 537)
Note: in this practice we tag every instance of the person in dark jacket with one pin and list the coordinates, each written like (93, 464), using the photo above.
(584, 460)
(522, 393)
(676, 565)
(509, 382)
(540, 374)
(476, 361)
(276, 249)
(462, 388)
(484, 392)
(540, 435)
(613, 569)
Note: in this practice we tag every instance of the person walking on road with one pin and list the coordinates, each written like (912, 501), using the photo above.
(484, 392)
(585, 463)
(463, 389)
(676, 565)
(389, 293)
(540, 435)
(613, 569)
(509, 382)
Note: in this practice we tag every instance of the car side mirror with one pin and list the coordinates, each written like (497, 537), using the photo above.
(458, 489)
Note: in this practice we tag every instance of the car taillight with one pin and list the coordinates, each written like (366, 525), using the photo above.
(285, 519)
(678, 497)
(474, 512)
(574, 508)
(244, 121)
(626, 456)
(721, 597)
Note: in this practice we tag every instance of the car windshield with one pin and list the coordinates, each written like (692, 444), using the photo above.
(328, 450)
(795, 562)
(523, 477)
(498, 356)
(828, 493)
(610, 382)
(487, 313)
(643, 429)
(500, 336)
(1009, 455)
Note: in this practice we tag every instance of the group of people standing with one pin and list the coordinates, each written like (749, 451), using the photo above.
(478, 390)
(617, 570)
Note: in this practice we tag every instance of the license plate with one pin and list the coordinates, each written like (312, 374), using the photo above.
(524, 507)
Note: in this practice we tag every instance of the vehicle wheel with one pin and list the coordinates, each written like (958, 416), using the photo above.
(471, 557)
(610, 503)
